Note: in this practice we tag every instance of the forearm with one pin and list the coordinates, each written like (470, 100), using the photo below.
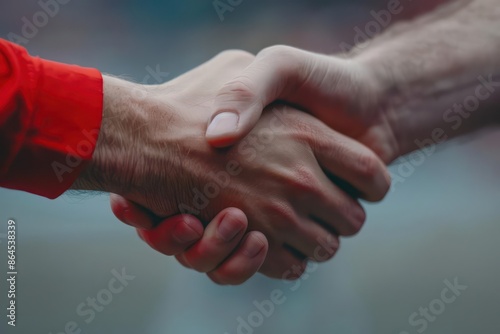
(440, 71)
(434, 119)
(438, 52)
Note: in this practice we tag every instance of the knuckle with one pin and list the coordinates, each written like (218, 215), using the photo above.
(285, 59)
(236, 56)
(240, 89)
(282, 218)
(304, 181)
(307, 129)
(277, 51)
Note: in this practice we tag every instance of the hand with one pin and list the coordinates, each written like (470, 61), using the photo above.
(343, 93)
(416, 84)
(226, 261)
(153, 151)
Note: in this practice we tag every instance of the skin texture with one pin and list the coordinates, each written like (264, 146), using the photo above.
(390, 93)
(285, 175)
(387, 92)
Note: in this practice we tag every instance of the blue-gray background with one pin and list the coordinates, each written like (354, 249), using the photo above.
(441, 223)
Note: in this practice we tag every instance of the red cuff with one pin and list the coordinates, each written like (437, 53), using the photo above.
(62, 130)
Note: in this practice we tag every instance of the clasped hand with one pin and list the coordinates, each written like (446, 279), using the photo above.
(281, 195)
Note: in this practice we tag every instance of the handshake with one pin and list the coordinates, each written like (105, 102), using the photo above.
(258, 163)
(252, 163)
(274, 152)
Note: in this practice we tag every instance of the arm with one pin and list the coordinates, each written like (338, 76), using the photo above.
(151, 150)
(440, 71)
(389, 92)
(50, 119)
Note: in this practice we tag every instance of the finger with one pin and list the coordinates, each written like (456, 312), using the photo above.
(227, 64)
(283, 263)
(353, 163)
(220, 239)
(239, 104)
(327, 247)
(333, 208)
(315, 83)
(244, 262)
(174, 235)
(139, 234)
(314, 241)
(180, 258)
(324, 202)
(130, 213)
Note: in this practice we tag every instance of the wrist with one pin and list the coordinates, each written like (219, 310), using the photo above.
(113, 158)
(375, 106)
(421, 107)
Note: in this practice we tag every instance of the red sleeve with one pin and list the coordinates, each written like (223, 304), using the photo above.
(50, 115)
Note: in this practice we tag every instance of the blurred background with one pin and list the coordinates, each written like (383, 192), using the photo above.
(442, 223)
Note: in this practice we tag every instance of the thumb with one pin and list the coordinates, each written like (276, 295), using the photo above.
(240, 102)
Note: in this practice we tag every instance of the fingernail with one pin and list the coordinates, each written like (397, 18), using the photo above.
(188, 233)
(223, 124)
(229, 228)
